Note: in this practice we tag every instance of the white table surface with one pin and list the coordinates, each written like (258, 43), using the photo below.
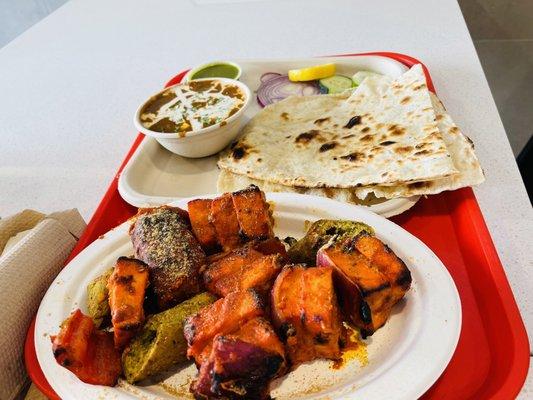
(70, 84)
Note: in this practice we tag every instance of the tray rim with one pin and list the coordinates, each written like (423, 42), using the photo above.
(465, 197)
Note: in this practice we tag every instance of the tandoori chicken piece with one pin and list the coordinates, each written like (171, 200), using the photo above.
(127, 286)
(224, 219)
(223, 316)
(203, 229)
(306, 314)
(368, 286)
(241, 364)
(88, 353)
(241, 269)
(387, 262)
(253, 213)
(266, 247)
(162, 239)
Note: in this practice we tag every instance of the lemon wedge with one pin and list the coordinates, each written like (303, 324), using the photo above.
(312, 73)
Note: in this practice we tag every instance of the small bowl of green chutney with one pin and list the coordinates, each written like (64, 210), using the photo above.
(215, 69)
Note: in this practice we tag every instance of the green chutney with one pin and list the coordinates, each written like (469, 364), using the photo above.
(217, 71)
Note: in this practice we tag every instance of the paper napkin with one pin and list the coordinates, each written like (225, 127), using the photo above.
(33, 250)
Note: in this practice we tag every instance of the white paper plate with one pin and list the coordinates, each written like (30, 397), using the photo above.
(155, 176)
(405, 357)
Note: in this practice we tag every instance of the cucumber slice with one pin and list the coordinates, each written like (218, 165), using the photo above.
(335, 84)
(360, 76)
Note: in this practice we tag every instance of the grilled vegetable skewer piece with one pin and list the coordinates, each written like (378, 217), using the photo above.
(98, 299)
(320, 233)
(161, 344)
(127, 285)
(162, 239)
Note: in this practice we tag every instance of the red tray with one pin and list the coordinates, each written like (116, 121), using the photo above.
(492, 356)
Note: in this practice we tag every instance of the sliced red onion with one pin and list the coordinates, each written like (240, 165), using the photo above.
(268, 76)
(280, 87)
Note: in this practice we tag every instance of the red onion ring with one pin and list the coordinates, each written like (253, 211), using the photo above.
(276, 88)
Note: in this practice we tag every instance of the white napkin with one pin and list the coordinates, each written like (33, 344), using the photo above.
(27, 268)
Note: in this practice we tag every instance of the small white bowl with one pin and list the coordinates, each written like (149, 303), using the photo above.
(202, 142)
(194, 70)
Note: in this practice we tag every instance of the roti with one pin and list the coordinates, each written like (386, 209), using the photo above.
(385, 133)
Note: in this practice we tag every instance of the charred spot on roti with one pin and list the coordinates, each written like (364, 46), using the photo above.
(320, 121)
(439, 117)
(355, 156)
(397, 131)
(387, 143)
(405, 100)
(355, 120)
(454, 130)
(366, 138)
(470, 141)
(306, 137)
(348, 136)
(327, 146)
(379, 126)
(240, 151)
(403, 149)
(419, 86)
(288, 137)
(259, 159)
(285, 116)
(365, 129)
(335, 125)
(422, 152)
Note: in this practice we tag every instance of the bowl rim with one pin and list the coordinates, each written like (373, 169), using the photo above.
(192, 71)
(169, 135)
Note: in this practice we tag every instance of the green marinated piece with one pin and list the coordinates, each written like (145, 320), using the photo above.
(97, 298)
(320, 233)
(161, 344)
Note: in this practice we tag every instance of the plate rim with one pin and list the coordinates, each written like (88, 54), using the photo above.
(298, 201)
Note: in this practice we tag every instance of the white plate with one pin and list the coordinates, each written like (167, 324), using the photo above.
(155, 176)
(405, 357)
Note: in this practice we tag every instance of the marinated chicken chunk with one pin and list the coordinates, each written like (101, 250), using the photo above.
(162, 239)
(306, 314)
(203, 229)
(223, 316)
(88, 353)
(253, 213)
(369, 283)
(127, 285)
(242, 269)
(241, 364)
(224, 219)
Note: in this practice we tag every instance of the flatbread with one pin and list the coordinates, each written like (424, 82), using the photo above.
(384, 133)
(459, 146)
(230, 182)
